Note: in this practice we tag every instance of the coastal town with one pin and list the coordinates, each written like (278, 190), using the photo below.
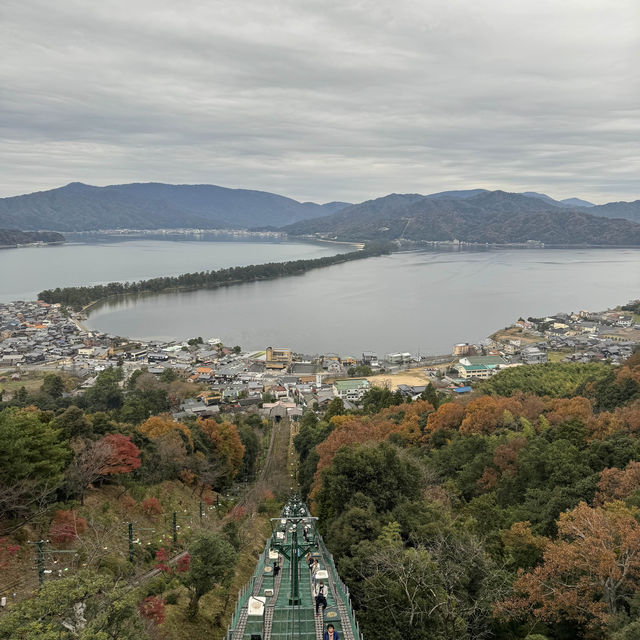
(36, 337)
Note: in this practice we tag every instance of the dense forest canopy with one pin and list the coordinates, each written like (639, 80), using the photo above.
(511, 514)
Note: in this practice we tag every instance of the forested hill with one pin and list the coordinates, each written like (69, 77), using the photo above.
(13, 237)
(82, 207)
(487, 217)
(628, 210)
(511, 516)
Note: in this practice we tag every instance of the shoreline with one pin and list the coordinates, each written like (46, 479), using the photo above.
(210, 280)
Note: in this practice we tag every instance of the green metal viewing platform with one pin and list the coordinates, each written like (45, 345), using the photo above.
(282, 606)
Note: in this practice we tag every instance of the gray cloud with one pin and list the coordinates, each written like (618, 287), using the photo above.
(323, 100)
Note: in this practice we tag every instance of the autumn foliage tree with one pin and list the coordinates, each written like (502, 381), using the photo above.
(618, 484)
(151, 506)
(447, 417)
(8, 553)
(66, 526)
(588, 574)
(125, 456)
(227, 447)
(157, 426)
(153, 608)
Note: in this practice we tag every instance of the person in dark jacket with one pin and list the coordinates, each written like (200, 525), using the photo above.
(321, 597)
(331, 633)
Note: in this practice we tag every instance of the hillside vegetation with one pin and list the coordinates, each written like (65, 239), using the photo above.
(13, 237)
(496, 516)
(82, 473)
(82, 207)
(487, 217)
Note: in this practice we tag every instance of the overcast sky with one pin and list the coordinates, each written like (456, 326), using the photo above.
(323, 99)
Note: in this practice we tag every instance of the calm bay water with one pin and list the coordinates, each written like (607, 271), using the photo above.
(422, 302)
(28, 270)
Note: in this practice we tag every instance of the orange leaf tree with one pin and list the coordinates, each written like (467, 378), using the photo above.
(618, 484)
(157, 426)
(125, 456)
(589, 573)
(227, 447)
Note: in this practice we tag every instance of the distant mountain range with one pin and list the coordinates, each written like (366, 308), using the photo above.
(82, 207)
(477, 216)
(471, 215)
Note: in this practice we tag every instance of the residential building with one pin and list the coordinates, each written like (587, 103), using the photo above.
(474, 371)
(351, 390)
(489, 361)
(464, 349)
(278, 358)
(533, 355)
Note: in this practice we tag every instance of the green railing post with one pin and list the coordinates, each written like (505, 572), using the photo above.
(131, 542)
(201, 513)
(40, 561)
(175, 528)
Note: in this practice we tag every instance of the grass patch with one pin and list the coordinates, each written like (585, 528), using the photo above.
(31, 380)
(558, 356)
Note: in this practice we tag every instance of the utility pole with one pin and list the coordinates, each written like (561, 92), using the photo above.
(40, 558)
(131, 528)
(40, 561)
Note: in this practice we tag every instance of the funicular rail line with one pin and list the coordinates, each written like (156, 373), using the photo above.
(282, 607)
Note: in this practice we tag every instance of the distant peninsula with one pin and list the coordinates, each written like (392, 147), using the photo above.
(81, 297)
(13, 238)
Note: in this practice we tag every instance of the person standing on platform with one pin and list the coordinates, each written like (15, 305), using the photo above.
(331, 633)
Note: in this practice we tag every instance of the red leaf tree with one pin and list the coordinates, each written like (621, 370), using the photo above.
(183, 564)
(162, 558)
(125, 456)
(151, 506)
(8, 552)
(66, 526)
(153, 608)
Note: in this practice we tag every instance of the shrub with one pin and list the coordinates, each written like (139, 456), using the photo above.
(183, 564)
(66, 526)
(128, 503)
(136, 491)
(162, 560)
(155, 586)
(8, 552)
(153, 608)
(115, 566)
(238, 512)
(231, 530)
(151, 507)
